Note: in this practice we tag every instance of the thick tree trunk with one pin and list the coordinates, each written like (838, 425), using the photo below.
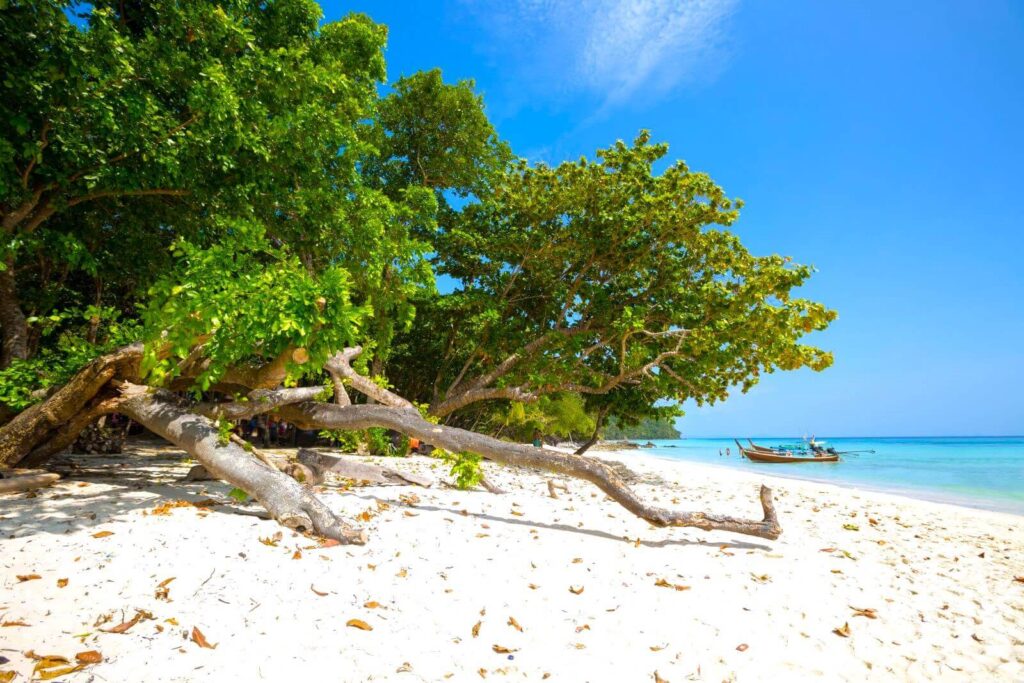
(12, 320)
(409, 422)
(285, 499)
(46, 421)
(18, 483)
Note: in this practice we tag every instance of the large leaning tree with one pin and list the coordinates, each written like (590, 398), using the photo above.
(210, 212)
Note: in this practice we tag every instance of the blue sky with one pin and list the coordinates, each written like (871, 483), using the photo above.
(881, 142)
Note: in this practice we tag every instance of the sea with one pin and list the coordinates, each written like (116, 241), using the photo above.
(981, 472)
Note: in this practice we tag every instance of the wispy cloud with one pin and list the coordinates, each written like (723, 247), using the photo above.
(615, 50)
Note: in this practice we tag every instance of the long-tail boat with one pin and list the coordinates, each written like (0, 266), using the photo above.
(757, 453)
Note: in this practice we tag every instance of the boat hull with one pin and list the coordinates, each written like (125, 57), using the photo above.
(759, 456)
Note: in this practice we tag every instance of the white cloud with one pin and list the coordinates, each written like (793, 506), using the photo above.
(614, 49)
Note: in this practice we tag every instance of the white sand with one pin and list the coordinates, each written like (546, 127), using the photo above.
(940, 577)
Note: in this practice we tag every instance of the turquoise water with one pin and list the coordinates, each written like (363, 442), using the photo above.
(983, 472)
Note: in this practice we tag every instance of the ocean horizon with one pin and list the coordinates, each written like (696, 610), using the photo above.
(985, 472)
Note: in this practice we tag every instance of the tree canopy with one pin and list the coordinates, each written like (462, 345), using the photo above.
(229, 184)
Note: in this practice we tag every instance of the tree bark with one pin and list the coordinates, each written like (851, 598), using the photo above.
(44, 421)
(602, 414)
(18, 483)
(12, 320)
(285, 499)
(409, 422)
(359, 471)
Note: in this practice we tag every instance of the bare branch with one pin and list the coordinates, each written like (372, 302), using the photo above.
(341, 365)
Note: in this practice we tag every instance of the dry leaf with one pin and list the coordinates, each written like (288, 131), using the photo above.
(28, 577)
(7, 676)
(581, 629)
(502, 650)
(402, 573)
(125, 625)
(515, 624)
(828, 550)
(13, 623)
(760, 578)
(329, 542)
(577, 560)
(851, 527)
(359, 623)
(476, 628)
(579, 646)
(297, 555)
(272, 541)
(61, 583)
(1019, 579)
(89, 657)
(742, 647)
(869, 612)
(372, 604)
(199, 639)
(321, 594)
(575, 591)
(172, 621)
(162, 590)
(659, 679)
(975, 636)
(665, 584)
(534, 586)
(102, 534)
(843, 630)
(658, 648)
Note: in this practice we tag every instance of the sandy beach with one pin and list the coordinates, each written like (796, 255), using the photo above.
(468, 586)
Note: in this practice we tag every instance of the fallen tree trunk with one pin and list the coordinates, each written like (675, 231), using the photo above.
(18, 483)
(285, 499)
(359, 471)
(315, 415)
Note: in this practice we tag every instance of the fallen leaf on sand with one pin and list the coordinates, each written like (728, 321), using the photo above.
(162, 590)
(28, 577)
(272, 540)
(659, 679)
(760, 578)
(297, 555)
(828, 550)
(851, 527)
(869, 612)
(89, 657)
(125, 625)
(579, 646)
(843, 630)
(171, 620)
(61, 583)
(742, 647)
(53, 666)
(102, 534)
(502, 650)
(329, 542)
(975, 636)
(584, 627)
(372, 604)
(359, 624)
(7, 676)
(320, 593)
(665, 584)
(1019, 579)
(575, 591)
(199, 639)
(658, 648)
(533, 586)
(515, 624)
(13, 623)
(476, 628)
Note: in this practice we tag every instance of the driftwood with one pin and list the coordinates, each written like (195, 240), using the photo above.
(29, 481)
(347, 468)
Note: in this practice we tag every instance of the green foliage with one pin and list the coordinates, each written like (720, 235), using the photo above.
(239, 495)
(562, 415)
(647, 428)
(71, 349)
(224, 429)
(465, 467)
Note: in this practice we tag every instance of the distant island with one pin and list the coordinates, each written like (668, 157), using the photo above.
(650, 428)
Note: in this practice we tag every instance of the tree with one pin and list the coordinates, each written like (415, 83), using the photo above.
(309, 216)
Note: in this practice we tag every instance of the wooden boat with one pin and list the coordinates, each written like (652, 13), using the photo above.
(757, 453)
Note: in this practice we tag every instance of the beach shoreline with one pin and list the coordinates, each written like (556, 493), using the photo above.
(466, 586)
(785, 473)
